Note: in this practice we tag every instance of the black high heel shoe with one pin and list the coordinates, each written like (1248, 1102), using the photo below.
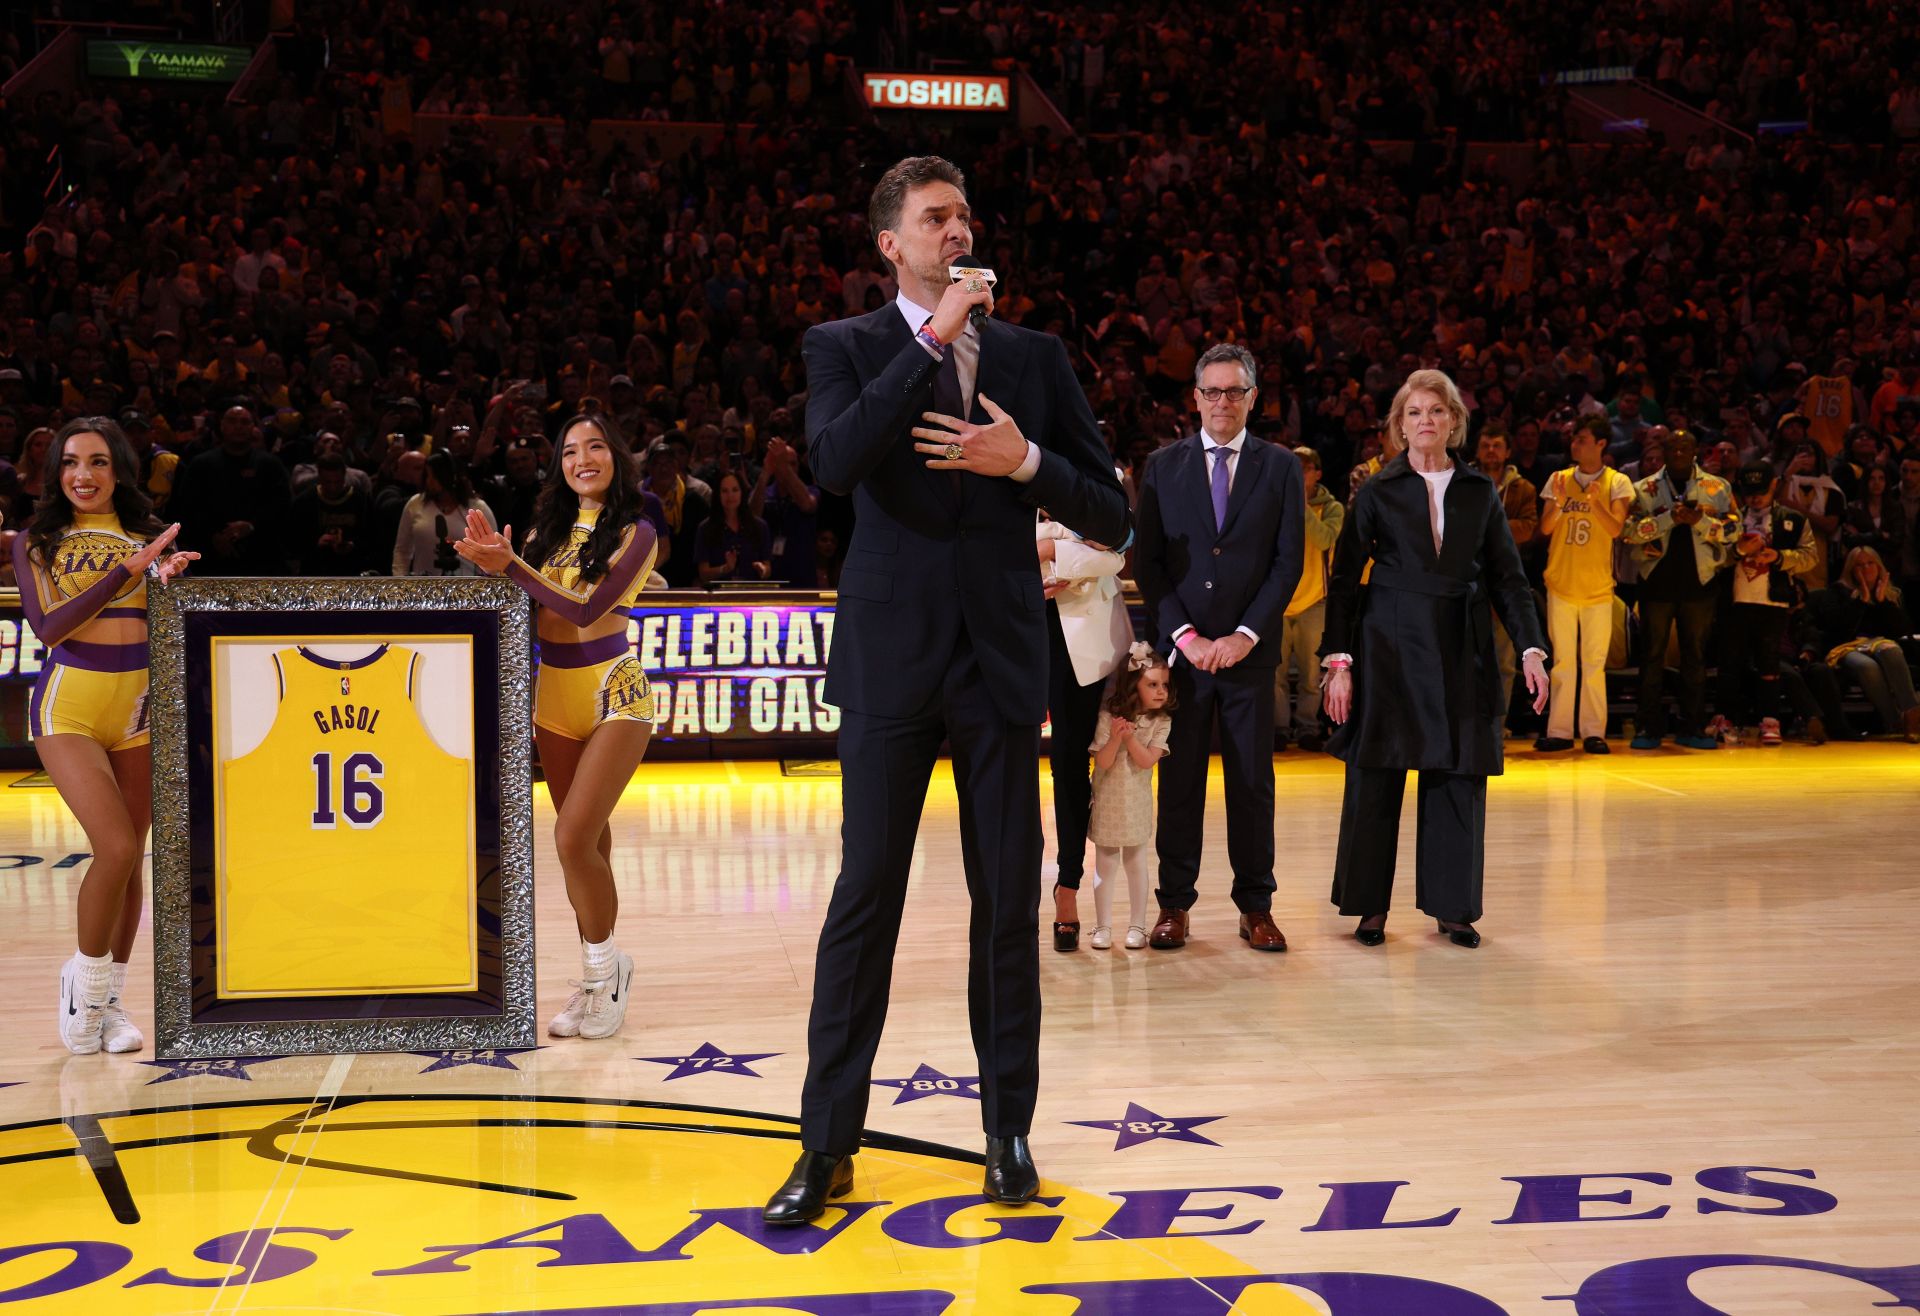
(1460, 934)
(1066, 936)
(1371, 936)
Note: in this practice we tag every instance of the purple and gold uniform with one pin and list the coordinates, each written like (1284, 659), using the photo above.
(585, 683)
(88, 689)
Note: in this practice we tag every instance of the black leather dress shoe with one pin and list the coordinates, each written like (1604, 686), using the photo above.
(1011, 1177)
(1371, 936)
(1460, 934)
(816, 1177)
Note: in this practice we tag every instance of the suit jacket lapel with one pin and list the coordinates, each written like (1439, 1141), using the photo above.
(1459, 514)
(996, 375)
(1409, 489)
(1198, 482)
(1252, 469)
(883, 334)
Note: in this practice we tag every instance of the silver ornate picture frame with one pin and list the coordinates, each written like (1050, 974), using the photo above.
(187, 620)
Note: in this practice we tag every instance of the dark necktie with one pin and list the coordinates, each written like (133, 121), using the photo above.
(946, 398)
(1220, 452)
(946, 385)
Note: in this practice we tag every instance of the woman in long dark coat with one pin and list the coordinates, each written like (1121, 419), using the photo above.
(1412, 680)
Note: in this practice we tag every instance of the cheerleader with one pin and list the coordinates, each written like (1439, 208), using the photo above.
(593, 706)
(83, 563)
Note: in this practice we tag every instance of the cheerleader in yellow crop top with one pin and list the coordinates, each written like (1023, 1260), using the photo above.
(82, 564)
(593, 707)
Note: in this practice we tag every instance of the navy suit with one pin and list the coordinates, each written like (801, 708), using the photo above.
(940, 633)
(1217, 579)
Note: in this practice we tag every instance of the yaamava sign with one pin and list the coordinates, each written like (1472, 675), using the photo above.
(167, 61)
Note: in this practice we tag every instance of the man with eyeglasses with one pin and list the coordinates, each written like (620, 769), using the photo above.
(1220, 547)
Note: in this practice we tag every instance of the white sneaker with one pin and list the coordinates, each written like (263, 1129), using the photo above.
(80, 1023)
(567, 1022)
(1769, 730)
(118, 1033)
(607, 1000)
(1136, 938)
(1102, 938)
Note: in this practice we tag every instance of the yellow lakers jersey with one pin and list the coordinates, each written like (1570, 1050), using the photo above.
(562, 567)
(346, 857)
(1829, 411)
(86, 551)
(1579, 552)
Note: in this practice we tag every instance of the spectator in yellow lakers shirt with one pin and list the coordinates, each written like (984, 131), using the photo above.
(1584, 509)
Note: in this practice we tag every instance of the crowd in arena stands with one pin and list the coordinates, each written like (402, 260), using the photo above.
(1391, 69)
(329, 341)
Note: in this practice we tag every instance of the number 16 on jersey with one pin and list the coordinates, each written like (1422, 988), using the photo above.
(358, 790)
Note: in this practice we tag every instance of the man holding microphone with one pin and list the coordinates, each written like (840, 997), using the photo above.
(948, 428)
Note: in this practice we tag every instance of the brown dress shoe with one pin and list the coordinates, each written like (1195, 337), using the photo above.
(1170, 933)
(1261, 932)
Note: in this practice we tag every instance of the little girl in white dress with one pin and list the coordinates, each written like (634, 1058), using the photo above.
(1127, 741)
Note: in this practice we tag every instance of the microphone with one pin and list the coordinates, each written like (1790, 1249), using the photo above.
(963, 273)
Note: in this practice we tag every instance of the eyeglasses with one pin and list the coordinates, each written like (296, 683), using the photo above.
(1230, 394)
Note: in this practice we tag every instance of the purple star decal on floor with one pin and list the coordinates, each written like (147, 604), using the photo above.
(490, 1059)
(930, 1082)
(9, 1085)
(236, 1068)
(710, 1059)
(1142, 1125)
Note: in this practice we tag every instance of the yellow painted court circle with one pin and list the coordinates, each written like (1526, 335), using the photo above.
(509, 1203)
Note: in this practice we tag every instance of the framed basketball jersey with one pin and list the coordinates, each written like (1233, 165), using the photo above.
(343, 798)
(377, 895)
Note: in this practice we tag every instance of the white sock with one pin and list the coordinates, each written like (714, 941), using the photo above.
(95, 975)
(597, 956)
(119, 982)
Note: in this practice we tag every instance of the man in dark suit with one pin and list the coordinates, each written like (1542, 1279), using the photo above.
(1221, 541)
(940, 633)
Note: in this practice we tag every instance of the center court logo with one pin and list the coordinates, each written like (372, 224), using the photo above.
(566, 1206)
(526, 1204)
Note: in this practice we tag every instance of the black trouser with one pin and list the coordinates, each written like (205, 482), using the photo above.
(1242, 699)
(1750, 673)
(1074, 711)
(1449, 854)
(884, 764)
(1657, 618)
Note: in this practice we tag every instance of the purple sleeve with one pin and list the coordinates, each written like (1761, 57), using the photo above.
(57, 625)
(584, 610)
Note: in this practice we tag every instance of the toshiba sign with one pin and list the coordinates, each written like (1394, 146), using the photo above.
(935, 91)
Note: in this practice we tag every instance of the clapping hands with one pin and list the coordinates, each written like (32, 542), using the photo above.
(489, 549)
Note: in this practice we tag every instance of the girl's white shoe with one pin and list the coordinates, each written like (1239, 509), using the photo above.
(1102, 938)
(1136, 938)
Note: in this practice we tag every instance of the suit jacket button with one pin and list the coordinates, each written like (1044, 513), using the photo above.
(1209, 584)
(1216, 552)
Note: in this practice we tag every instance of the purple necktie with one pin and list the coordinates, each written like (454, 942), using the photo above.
(1219, 452)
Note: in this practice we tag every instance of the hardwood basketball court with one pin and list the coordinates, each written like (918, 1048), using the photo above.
(1678, 1077)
